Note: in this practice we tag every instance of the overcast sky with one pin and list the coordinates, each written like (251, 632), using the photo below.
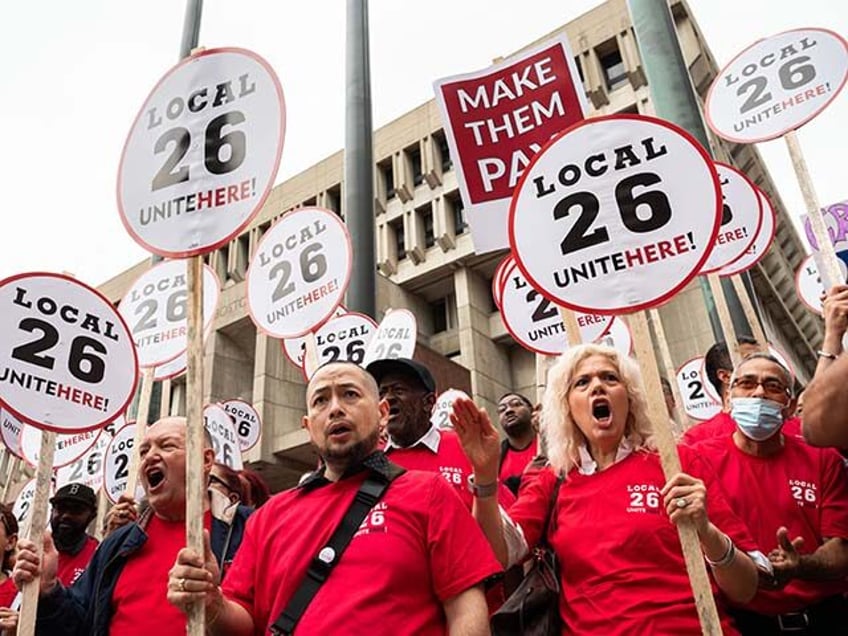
(75, 74)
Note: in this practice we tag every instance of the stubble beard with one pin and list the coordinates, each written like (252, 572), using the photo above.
(340, 459)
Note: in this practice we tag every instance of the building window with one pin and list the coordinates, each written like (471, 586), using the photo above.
(439, 309)
(414, 154)
(579, 66)
(456, 212)
(310, 203)
(333, 197)
(615, 73)
(385, 168)
(425, 213)
(444, 153)
(396, 228)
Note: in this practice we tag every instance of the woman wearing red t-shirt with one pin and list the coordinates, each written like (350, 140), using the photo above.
(612, 525)
(8, 591)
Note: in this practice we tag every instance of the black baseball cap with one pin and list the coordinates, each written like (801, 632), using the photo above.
(79, 493)
(402, 366)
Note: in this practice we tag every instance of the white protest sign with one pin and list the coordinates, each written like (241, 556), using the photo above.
(761, 244)
(741, 217)
(536, 323)
(116, 466)
(627, 204)
(202, 153)
(11, 429)
(88, 469)
(246, 421)
(69, 448)
(618, 336)
(171, 369)
(395, 337)
(442, 408)
(295, 348)
(155, 308)
(23, 503)
(809, 285)
(697, 401)
(224, 439)
(299, 273)
(708, 386)
(342, 338)
(497, 278)
(835, 218)
(496, 119)
(67, 361)
(777, 85)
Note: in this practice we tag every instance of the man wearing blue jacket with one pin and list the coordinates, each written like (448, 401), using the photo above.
(123, 590)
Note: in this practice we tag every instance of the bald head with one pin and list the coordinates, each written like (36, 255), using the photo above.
(177, 424)
(370, 383)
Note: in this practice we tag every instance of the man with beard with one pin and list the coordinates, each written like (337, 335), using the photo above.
(123, 589)
(515, 415)
(413, 567)
(74, 508)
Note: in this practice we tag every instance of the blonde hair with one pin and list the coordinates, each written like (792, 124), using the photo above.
(561, 434)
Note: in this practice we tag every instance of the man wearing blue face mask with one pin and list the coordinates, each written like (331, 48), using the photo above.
(794, 499)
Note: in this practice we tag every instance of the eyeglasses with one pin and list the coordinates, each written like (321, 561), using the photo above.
(770, 385)
(213, 479)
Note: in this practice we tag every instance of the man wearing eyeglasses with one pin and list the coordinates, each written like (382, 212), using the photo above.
(794, 499)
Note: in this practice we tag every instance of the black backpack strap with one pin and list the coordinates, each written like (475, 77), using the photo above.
(504, 451)
(369, 493)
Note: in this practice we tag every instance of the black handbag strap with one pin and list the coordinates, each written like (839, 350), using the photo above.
(369, 493)
(551, 509)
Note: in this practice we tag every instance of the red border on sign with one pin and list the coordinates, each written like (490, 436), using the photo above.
(496, 279)
(260, 201)
(768, 205)
(348, 272)
(707, 391)
(743, 140)
(507, 273)
(67, 463)
(653, 302)
(759, 220)
(106, 454)
(807, 260)
(315, 334)
(116, 413)
(258, 419)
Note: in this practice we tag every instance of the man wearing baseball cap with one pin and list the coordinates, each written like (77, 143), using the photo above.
(74, 508)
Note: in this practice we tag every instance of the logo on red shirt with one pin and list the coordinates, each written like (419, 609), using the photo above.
(375, 521)
(805, 493)
(452, 474)
(643, 498)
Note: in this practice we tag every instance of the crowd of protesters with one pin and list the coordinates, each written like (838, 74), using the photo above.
(444, 512)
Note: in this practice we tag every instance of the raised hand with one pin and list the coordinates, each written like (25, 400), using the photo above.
(478, 437)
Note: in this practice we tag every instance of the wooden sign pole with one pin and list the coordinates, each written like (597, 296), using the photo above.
(666, 445)
(572, 329)
(195, 483)
(724, 317)
(37, 524)
(748, 308)
(670, 371)
(829, 266)
(140, 427)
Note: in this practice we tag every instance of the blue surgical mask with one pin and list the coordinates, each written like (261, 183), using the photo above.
(757, 418)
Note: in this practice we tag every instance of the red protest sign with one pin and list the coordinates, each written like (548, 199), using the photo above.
(495, 122)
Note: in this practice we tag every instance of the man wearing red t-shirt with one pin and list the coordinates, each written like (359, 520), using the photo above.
(794, 499)
(74, 508)
(414, 567)
(123, 589)
(515, 415)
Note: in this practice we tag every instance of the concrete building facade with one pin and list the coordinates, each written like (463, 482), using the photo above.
(427, 263)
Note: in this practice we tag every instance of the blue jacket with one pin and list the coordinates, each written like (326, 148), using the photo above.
(85, 608)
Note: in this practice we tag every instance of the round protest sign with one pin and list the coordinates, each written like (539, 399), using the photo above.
(777, 85)
(440, 415)
(709, 389)
(498, 278)
(741, 217)
(156, 311)
(625, 203)
(762, 241)
(224, 439)
(88, 469)
(11, 429)
(536, 323)
(299, 273)
(618, 336)
(697, 401)
(116, 466)
(69, 448)
(295, 348)
(202, 153)
(808, 283)
(171, 369)
(67, 360)
(246, 422)
(396, 336)
(342, 338)
(23, 503)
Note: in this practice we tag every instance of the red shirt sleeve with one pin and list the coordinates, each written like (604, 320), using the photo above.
(531, 508)
(238, 580)
(460, 555)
